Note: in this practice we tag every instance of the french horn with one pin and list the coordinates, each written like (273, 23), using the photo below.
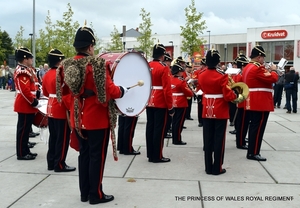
(240, 87)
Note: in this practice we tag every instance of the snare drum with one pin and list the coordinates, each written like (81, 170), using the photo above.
(126, 70)
(41, 118)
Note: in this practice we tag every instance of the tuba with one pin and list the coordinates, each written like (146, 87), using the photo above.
(241, 87)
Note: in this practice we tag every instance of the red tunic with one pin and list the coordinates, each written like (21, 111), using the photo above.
(94, 115)
(24, 79)
(54, 108)
(180, 91)
(216, 94)
(259, 81)
(161, 93)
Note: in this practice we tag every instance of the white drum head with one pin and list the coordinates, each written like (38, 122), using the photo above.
(128, 71)
(43, 108)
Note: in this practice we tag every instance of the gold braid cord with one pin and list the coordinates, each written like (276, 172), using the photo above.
(74, 75)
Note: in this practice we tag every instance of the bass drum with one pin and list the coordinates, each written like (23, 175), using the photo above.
(41, 118)
(127, 69)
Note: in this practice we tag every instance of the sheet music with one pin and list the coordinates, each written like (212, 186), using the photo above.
(233, 71)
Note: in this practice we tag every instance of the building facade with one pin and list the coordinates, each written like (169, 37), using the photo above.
(278, 42)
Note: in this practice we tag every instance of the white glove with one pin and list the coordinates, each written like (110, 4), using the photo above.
(38, 105)
(125, 89)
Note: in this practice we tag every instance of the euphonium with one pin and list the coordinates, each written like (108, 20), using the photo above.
(240, 87)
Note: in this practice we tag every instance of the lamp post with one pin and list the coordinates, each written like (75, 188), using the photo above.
(208, 39)
(31, 34)
(171, 41)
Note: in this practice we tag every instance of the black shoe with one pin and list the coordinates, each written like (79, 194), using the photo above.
(278, 106)
(200, 125)
(84, 198)
(36, 134)
(179, 143)
(133, 153)
(162, 160)
(106, 198)
(50, 168)
(232, 132)
(33, 154)
(65, 169)
(294, 111)
(284, 107)
(168, 136)
(184, 127)
(31, 134)
(242, 147)
(256, 157)
(26, 157)
(30, 145)
(223, 171)
(288, 112)
(190, 119)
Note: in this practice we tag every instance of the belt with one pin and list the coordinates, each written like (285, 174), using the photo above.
(157, 87)
(32, 92)
(87, 93)
(260, 89)
(213, 95)
(178, 94)
(52, 95)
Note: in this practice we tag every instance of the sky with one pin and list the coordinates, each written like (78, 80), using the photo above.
(221, 16)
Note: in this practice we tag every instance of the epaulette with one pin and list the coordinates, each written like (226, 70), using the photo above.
(22, 70)
(255, 63)
(220, 71)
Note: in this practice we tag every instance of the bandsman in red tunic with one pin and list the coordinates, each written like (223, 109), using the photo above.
(159, 106)
(26, 102)
(242, 117)
(92, 112)
(217, 93)
(260, 100)
(59, 131)
(180, 92)
(195, 75)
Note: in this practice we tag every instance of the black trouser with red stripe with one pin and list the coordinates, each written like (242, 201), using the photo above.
(155, 131)
(258, 122)
(214, 132)
(200, 109)
(59, 139)
(241, 126)
(126, 128)
(189, 108)
(25, 121)
(91, 162)
(177, 124)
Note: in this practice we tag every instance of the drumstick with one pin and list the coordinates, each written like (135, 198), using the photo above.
(140, 83)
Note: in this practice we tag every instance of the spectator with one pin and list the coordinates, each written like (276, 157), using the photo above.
(291, 90)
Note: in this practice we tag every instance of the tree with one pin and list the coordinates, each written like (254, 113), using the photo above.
(6, 46)
(116, 42)
(145, 40)
(190, 32)
(65, 32)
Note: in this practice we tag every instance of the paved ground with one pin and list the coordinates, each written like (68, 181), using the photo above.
(136, 183)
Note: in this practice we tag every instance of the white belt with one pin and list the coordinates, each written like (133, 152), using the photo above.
(178, 94)
(52, 95)
(157, 87)
(260, 89)
(213, 95)
(32, 92)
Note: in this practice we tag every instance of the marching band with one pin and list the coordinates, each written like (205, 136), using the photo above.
(80, 92)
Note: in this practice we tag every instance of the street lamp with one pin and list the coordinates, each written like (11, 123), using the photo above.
(31, 34)
(171, 41)
(208, 39)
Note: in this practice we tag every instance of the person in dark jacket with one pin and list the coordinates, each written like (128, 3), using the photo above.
(291, 90)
